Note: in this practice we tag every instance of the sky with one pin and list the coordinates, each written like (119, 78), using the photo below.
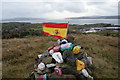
(57, 9)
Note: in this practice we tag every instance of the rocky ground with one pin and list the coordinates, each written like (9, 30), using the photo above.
(18, 54)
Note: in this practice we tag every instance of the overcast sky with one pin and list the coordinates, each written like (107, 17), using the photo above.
(57, 9)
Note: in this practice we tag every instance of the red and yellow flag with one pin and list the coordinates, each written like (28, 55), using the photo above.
(58, 30)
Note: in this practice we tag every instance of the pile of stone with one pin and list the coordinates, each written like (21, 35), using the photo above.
(62, 61)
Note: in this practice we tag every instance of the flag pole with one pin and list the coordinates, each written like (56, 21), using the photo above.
(67, 29)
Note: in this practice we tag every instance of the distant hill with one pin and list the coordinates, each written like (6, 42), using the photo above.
(22, 19)
(95, 17)
(84, 17)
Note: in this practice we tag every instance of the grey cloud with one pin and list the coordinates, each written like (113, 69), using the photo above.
(69, 6)
(105, 8)
(27, 9)
(41, 9)
(24, 9)
(95, 3)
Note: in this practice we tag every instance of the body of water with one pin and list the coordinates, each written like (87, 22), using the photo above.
(71, 21)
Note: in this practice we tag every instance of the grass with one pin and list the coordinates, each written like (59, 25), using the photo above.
(105, 55)
(18, 54)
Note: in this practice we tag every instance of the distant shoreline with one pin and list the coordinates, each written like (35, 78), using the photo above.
(95, 17)
(71, 21)
(106, 25)
(80, 25)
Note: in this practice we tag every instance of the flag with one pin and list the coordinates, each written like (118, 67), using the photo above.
(58, 30)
